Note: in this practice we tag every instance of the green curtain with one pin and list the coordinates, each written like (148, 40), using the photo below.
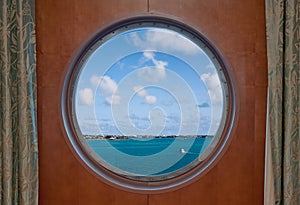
(283, 45)
(18, 131)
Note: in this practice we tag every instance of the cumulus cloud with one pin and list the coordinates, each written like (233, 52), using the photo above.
(210, 66)
(86, 96)
(136, 40)
(213, 85)
(105, 84)
(95, 80)
(107, 87)
(148, 55)
(158, 39)
(150, 99)
(140, 91)
(151, 74)
(113, 100)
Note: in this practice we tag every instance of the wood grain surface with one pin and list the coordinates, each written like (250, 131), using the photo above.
(237, 29)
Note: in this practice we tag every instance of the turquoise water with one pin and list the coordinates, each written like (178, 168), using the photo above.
(149, 157)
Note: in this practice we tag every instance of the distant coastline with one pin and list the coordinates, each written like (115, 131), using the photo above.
(122, 137)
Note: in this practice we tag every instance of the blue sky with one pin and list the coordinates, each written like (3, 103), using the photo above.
(149, 81)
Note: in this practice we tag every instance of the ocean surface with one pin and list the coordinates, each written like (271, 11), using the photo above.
(149, 157)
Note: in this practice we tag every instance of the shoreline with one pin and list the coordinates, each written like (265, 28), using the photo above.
(120, 137)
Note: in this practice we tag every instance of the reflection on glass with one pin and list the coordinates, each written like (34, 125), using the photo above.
(149, 102)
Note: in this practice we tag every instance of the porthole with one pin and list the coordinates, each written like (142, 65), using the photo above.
(148, 104)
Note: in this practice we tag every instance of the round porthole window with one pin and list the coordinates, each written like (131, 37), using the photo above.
(148, 104)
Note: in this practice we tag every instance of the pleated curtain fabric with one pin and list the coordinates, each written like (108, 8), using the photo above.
(283, 46)
(18, 130)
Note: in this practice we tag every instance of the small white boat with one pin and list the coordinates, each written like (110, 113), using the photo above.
(182, 150)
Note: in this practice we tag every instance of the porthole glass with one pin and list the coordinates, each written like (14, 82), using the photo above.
(147, 100)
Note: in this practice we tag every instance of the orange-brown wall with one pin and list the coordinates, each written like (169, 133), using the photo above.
(237, 28)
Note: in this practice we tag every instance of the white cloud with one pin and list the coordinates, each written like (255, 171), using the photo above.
(95, 80)
(140, 91)
(86, 96)
(151, 74)
(159, 39)
(148, 55)
(158, 64)
(135, 39)
(113, 100)
(150, 99)
(107, 87)
(210, 66)
(121, 65)
(213, 85)
(105, 84)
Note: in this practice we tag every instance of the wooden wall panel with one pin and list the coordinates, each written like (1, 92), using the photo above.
(62, 26)
(237, 28)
